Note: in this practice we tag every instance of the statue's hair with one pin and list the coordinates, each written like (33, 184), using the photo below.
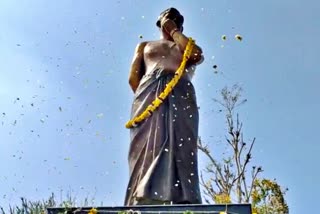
(174, 15)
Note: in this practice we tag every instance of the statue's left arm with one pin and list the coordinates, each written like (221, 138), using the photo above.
(181, 40)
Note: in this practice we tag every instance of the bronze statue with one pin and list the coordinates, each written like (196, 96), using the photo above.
(163, 151)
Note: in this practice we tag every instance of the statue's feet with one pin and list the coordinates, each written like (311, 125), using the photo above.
(147, 201)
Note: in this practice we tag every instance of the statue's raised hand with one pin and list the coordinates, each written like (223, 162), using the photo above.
(167, 24)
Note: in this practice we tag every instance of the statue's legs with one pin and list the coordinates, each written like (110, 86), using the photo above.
(163, 149)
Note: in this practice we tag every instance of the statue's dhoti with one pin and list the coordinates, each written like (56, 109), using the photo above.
(163, 151)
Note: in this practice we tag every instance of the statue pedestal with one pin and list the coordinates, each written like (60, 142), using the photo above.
(163, 209)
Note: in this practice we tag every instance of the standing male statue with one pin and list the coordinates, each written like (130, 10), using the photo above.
(163, 151)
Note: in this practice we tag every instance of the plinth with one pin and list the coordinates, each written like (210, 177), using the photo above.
(163, 209)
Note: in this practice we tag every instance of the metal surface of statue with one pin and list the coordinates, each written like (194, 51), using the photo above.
(163, 151)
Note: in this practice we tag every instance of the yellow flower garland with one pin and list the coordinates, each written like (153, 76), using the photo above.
(169, 87)
(93, 211)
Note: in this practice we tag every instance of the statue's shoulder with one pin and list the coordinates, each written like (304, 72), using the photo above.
(150, 44)
(145, 43)
(140, 46)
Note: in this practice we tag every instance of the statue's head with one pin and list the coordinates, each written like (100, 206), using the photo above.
(174, 15)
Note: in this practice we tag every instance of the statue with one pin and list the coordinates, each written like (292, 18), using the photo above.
(163, 151)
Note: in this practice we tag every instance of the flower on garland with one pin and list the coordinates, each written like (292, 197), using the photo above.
(93, 211)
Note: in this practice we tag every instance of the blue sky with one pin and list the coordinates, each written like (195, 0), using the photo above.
(65, 96)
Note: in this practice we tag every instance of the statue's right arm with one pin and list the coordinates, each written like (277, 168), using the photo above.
(137, 69)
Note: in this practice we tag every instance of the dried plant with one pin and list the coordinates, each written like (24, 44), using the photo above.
(228, 180)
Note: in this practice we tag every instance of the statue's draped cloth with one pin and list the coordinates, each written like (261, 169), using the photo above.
(163, 151)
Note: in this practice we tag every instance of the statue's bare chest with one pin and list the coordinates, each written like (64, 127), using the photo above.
(162, 49)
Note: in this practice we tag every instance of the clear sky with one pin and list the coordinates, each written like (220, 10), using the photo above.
(64, 93)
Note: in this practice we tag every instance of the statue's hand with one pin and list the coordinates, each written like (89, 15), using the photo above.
(168, 25)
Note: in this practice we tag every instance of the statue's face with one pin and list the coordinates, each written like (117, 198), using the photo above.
(174, 18)
(173, 15)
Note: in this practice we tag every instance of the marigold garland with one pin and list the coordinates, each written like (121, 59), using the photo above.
(93, 211)
(169, 87)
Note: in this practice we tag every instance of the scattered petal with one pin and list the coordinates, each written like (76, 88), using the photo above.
(100, 115)
(238, 37)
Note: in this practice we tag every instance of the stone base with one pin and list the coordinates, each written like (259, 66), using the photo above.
(163, 209)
